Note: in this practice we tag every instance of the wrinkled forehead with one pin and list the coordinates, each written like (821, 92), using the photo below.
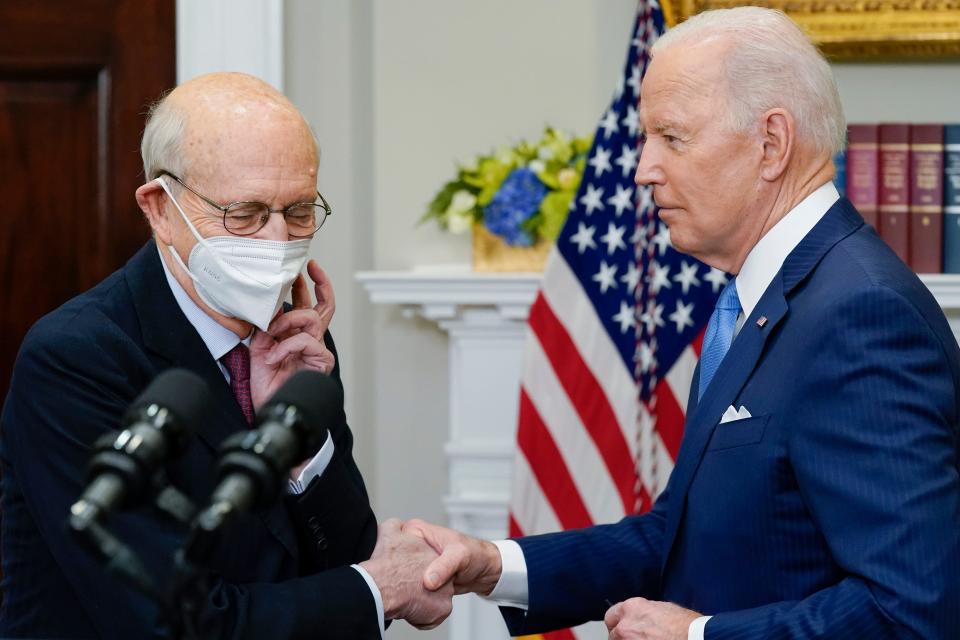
(234, 118)
(683, 81)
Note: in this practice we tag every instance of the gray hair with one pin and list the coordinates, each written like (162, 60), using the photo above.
(162, 137)
(772, 64)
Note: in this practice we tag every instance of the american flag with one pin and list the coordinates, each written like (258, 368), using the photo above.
(613, 339)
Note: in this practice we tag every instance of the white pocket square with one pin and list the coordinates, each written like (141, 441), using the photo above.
(732, 415)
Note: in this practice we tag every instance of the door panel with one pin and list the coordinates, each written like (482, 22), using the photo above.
(76, 78)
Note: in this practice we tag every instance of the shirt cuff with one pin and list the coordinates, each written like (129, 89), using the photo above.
(314, 468)
(375, 590)
(511, 589)
(696, 629)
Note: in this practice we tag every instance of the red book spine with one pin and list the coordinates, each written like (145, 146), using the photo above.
(863, 170)
(926, 198)
(895, 188)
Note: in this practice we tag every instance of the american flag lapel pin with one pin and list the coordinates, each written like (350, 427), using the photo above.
(762, 321)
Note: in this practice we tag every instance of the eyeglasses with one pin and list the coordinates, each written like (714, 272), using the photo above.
(245, 218)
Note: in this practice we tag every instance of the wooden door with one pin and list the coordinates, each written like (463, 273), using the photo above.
(76, 77)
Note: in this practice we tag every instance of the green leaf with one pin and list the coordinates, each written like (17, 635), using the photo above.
(438, 206)
(553, 210)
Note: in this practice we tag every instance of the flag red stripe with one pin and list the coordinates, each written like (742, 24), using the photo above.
(697, 344)
(587, 397)
(563, 634)
(538, 446)
(513, 529)
(669, 418)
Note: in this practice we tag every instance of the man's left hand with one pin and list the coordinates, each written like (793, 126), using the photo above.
(641, 619)
(294, 340)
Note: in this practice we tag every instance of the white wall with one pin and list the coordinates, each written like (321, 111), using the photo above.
(398, 91)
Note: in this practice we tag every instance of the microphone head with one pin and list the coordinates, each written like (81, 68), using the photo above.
(317, 397)
(184, 395)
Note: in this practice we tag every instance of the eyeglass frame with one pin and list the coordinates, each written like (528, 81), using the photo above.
(323, 205)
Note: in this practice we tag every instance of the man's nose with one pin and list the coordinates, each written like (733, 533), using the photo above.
(275, 229)
(649, 170)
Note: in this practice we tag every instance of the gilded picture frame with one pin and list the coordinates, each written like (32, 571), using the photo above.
(850, 30)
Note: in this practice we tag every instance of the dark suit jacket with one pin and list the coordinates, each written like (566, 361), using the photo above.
(834, 512)
(282, 573)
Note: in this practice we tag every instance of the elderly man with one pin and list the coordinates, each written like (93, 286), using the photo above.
(232, 200)
(816, 490)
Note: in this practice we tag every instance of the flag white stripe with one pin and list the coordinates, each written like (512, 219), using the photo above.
(680, 377)
(529, 506)
(573, 309)
(578, 450)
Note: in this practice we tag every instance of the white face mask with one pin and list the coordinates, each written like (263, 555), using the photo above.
(241, 277)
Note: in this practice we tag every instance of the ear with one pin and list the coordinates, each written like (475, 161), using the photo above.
(152, 200)
(778, 141)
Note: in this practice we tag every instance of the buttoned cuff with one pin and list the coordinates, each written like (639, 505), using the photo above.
(697, 627)
(314, 468)
(377, 598)
(511, 589)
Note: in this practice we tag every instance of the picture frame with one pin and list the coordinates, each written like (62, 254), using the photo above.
(859, 30)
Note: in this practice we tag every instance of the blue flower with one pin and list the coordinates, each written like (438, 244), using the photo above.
(514, 203)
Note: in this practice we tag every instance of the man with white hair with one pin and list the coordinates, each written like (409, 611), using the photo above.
(816, 491)
(231, 198)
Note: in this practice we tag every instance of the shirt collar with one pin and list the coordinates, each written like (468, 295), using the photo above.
(218, 338)
(767, 256)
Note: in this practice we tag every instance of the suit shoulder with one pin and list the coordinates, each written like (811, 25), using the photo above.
(95, 332)
(862, 279)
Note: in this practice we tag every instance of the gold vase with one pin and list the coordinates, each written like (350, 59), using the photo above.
(491, 253)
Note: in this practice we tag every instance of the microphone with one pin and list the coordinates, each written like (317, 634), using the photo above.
(289, 428)
(155, 427)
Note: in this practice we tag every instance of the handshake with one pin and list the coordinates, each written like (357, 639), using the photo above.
(419, 567)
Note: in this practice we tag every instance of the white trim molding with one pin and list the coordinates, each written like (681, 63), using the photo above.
(230, 35)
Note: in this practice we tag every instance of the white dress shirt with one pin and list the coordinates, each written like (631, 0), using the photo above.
(219, 341)
(761, 266)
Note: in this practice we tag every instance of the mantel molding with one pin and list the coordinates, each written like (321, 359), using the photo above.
(445, 293)
(442, 292)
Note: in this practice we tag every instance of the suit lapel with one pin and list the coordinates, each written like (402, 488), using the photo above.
(169, 335)
(745, 351)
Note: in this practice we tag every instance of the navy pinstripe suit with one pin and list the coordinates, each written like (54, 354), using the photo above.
(835, 510)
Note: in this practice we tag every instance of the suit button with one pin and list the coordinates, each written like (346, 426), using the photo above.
(321, 539)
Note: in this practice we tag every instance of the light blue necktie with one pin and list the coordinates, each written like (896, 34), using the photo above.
(716, 342)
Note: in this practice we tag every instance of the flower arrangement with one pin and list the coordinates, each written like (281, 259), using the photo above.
(521, 194)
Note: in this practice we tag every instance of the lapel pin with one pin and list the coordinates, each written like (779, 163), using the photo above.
(762, 321)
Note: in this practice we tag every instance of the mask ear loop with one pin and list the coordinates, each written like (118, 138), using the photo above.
(211, 250)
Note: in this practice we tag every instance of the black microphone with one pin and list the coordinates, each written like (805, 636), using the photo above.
(254, 465)
(155, 427)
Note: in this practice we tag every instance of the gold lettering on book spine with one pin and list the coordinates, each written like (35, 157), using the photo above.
(861, 30)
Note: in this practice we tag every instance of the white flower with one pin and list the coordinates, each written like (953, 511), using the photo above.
(459, 222)
(537, 166)
(545, 153)
(459, 214)
(567, 177)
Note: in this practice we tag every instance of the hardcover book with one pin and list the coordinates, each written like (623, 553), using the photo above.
(863, 170)
(894, 193)
(951, 198)
(926, 198)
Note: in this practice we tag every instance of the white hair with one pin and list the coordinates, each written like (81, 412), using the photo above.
(772, 63)
(161, 147)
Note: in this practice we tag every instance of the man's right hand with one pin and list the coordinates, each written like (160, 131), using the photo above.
(397, 565)
(472, 565)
